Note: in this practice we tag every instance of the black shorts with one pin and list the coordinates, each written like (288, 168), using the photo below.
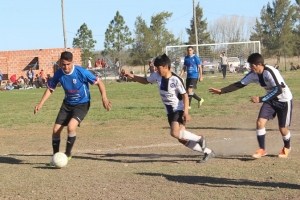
(68, 111)
(191, 83)
(283, 110)
(176, 117)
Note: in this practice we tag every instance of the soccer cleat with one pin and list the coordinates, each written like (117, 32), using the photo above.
(284, 152)
(207, 157)
(202, 142)
(259, 153)
(69, 158)
(200, 102)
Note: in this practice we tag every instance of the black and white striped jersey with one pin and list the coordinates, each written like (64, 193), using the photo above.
(171, 91)
(272, 81)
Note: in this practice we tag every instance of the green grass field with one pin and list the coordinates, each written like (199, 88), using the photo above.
(127, 153)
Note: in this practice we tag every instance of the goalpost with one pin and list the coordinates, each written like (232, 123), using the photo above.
(211, 52)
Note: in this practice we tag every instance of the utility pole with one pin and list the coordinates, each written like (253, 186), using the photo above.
(195, 27)
(64, 26)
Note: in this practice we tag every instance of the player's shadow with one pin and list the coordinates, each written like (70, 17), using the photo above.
(223, 182)
(242, 157)
(141, 158)
(10, 160)
(222, 128)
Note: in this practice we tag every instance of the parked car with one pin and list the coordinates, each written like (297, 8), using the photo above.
(235, 61)
(210, 67)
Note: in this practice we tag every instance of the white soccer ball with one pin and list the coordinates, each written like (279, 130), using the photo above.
(59, 160)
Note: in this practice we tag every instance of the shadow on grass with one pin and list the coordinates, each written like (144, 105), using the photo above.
(223, 128)
(9, 160)
(222, 182)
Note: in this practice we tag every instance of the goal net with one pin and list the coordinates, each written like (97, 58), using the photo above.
(210, 53)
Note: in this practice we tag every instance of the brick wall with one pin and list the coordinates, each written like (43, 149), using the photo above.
(18, 62)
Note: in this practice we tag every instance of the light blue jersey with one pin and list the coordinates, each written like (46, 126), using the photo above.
(75, 84)
(191, 64)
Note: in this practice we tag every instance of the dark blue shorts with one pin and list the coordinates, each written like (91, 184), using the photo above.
(176, 117)
(283, 110)
(68, 111)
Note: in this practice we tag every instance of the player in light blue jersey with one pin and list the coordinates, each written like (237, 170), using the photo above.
(75, 81)
(193, 69)
(175, 100)
(277, 101)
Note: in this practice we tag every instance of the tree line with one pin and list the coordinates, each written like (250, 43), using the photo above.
(277, 28)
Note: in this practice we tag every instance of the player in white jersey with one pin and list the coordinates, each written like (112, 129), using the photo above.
(176, 101)
(277, 101)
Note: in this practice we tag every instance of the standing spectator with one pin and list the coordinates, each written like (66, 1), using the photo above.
(277, 101)
(177, 65)
(42, 76)
(117, 65)
(75, 80)
(151, 67)
(192, 66)
(175, 100)
(103, 63)
(224, 63)
(30, 76)
(97, 63)
(90, 63)
(1, 76)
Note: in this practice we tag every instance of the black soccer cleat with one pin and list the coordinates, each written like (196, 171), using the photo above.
(207, 157)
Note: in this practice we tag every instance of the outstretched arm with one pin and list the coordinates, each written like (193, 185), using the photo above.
(229, 88)
(46, 95)
(106, 103)
(135, 78)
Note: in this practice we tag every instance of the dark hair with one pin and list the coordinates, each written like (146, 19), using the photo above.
(255, 59)
(66, 55)
(190, 47)
(162, 60)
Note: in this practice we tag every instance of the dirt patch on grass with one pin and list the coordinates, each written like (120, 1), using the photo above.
(140, 160)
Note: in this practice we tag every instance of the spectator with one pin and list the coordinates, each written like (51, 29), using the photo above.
(1, 76)
(38, 82)
(292, 67)
(224, 63)
(276, 66)
(9, 85)
(42, 76)
(232, 69)
(97, 63)
(103, 63)
(177, 65)
(151, 67)
(117, 64)
(90, 63)
(30, 76)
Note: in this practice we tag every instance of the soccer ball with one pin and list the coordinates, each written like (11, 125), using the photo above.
(59, 160)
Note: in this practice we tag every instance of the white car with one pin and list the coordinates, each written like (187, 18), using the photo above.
(234, 61)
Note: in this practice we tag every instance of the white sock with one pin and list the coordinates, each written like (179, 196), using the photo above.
(186, 135)
(207, 150)
(194, 146)
(287, 137)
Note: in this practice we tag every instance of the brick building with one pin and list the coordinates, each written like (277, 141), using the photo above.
(20, 61)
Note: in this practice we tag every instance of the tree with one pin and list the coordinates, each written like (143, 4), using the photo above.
(150, 41)
(275, 28)
(117, 36)
(203, 34)
(161, 36)
(143, 42)
(84, 40)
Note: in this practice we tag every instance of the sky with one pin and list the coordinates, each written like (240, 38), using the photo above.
(37, 24)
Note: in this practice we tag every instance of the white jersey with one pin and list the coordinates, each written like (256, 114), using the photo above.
(171, 91)
(272, 81)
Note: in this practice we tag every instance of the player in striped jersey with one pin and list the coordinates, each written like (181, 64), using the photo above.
(277, 101)
(176, 102)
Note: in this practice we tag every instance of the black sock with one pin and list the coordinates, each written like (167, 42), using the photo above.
(70, 143)
(287, 143)
(196, 97)
(55, 144)
(261, 141)
(190, 99)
